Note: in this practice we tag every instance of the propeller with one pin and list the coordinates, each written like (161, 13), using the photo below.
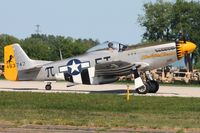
(188, 58)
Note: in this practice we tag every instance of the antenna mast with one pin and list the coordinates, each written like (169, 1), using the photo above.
(37, 29)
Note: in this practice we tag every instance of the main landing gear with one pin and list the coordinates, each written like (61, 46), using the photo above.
(150, 86)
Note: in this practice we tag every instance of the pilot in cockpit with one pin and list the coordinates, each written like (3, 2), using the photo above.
(110, 46)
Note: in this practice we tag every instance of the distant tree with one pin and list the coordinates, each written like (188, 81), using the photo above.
(157, 21)
(36, 48)
(48, 47)
(6, 40)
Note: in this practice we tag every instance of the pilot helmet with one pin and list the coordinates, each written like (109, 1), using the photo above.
(110, 45)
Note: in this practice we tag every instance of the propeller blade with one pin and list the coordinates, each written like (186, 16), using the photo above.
(184, 39)
(185, 60)
(190, 63)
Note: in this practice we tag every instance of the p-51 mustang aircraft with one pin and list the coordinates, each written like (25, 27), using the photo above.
(102, 64)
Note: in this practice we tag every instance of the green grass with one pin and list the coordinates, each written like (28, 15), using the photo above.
(101, 110)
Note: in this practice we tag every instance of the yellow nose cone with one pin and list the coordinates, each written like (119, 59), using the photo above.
(189, 47)
(185, 48)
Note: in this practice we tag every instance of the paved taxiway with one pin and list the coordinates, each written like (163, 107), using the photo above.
(60, 87)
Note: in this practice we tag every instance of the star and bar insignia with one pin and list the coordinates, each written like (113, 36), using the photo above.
(74, 67)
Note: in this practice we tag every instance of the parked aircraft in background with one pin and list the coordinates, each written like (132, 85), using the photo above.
(102, 64)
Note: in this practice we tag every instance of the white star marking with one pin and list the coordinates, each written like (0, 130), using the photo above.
(74, 67)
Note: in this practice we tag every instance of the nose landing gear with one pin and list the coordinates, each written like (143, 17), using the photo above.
(48, 86)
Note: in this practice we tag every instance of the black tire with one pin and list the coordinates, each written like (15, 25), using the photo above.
(48, 87)
(153, 86)
(142, 90)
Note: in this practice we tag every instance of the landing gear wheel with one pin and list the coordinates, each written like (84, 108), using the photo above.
(48, 87)
(153, 86)
(142, 90)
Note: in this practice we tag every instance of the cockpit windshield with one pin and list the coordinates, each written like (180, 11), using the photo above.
(108, 46)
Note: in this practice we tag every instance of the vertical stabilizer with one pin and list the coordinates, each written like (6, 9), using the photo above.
(15, 59)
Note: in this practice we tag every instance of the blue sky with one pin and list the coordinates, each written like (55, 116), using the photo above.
(112, 20)
(105, 20)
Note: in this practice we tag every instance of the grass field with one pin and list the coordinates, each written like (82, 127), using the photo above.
(99, 110)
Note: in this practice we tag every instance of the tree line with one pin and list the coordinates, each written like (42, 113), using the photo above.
(48, 47)
(164, 20)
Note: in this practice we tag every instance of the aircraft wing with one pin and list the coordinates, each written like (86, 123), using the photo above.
(117, 68)
(142, 66)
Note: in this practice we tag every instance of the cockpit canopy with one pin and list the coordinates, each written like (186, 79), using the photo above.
(108, 46)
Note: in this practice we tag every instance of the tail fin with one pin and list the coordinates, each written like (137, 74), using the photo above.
(15, 59)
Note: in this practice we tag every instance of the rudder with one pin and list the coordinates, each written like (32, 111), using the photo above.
(10, 65)
(15, 60)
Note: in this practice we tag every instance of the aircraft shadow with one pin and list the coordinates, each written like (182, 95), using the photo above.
(121, 91)
(106, 91)
(21, 89)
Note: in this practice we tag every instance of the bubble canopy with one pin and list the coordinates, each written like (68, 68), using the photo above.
(108, 45)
